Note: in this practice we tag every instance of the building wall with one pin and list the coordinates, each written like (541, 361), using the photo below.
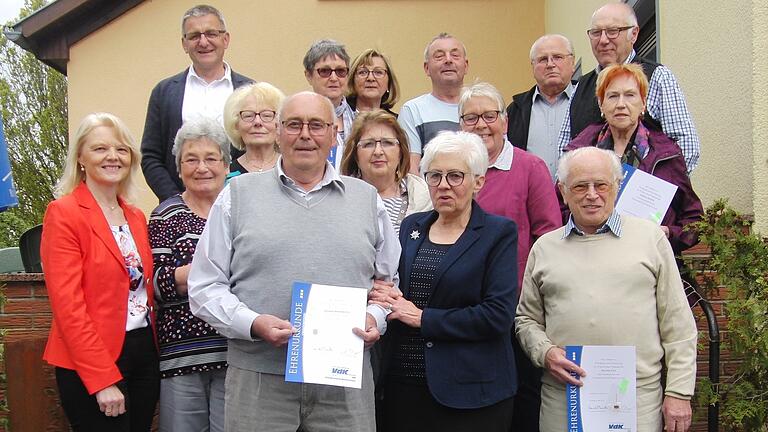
(760, 107)
(115, 68)
(715, 70)
(571, 19)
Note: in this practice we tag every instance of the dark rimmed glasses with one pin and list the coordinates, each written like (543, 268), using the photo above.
(209, 34)
(611, 33)
(249, 116)
(488, 117)
(454, 178)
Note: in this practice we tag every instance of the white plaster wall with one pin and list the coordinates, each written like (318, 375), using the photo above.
(571, 18)
(708, 45)
(115, 68)
(760, 112)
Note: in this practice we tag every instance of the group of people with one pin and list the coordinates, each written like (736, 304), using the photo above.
(485, 235)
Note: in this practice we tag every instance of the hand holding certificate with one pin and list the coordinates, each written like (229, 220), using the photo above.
(324, 350)
(607, 398)
(643, 195)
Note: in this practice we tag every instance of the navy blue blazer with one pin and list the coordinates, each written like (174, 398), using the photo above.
(468, 323)
(160, 127)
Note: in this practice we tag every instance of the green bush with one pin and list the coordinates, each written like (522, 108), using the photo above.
(740, 260)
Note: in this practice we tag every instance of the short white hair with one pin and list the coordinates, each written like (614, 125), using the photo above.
(535, 45)
(468, 145)
(482, 89)
(564, 165)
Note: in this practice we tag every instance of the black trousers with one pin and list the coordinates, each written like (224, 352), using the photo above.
(412, 408)
(138, 362)
(528, 397)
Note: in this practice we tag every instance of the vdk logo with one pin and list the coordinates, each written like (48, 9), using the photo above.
(340, 371)
(615, 426)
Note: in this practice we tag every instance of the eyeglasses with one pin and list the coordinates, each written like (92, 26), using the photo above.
(325, 72)
(434, 178)
(488, 117)
(611, 33)
(557, 59)
(249, 116)
(194, 162)
(370, 144)
(209, 34)
(377, 73)
(316, 127)
(582, 188)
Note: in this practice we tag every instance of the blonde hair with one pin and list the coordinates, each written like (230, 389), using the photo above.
(72, 176)
(264, 93)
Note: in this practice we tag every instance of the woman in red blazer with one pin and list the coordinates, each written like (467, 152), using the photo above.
(98, 271)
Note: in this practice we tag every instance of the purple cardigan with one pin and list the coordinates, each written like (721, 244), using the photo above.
(523, 194)
(665, 161)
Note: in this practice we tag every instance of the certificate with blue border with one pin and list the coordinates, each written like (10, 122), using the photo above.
(324, 350)
(607, 399)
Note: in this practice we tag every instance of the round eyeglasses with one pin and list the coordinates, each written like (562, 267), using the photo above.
(434, 178)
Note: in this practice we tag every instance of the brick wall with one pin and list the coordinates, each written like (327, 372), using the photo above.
(31, 395)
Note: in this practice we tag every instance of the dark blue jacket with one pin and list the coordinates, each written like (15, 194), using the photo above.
(468, 322)
(160, 127)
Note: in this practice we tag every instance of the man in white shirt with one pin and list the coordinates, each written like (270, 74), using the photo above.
(200, 89)
(251, 252)
(422, 118)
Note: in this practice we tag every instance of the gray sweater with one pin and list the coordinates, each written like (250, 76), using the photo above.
(279, 238)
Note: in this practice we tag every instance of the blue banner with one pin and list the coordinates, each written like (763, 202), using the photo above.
(8, 196)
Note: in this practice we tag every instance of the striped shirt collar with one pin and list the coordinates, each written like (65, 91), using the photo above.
(613, 224)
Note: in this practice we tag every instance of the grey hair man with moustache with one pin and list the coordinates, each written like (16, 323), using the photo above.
(199, 90)
(250, 304)
(422, 118)
(607, 279)
(535, 116)
(612, 34)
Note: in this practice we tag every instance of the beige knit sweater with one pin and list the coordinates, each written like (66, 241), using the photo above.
(605, 290)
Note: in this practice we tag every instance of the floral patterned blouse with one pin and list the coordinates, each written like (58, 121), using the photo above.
(187, 343)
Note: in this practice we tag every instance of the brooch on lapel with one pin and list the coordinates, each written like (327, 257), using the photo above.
(414, 235)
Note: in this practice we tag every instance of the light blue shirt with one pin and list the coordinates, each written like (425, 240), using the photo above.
(544, 127)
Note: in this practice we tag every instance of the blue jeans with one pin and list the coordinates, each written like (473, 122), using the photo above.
(193, 402)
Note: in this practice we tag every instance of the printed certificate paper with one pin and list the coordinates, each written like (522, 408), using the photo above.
(643, 195)
(606, 401)
(324, 350)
